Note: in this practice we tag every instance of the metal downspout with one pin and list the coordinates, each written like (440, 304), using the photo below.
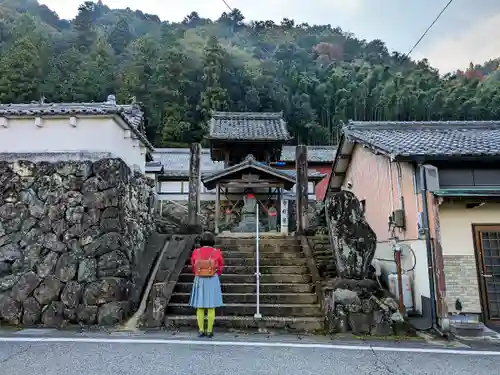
(428, 245)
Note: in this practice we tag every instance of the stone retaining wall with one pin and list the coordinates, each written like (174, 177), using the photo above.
(361, 307)
(72, 234)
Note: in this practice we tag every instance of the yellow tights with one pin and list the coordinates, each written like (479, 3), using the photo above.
(200, 317)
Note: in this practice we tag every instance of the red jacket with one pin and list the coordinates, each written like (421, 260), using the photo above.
(205, 254)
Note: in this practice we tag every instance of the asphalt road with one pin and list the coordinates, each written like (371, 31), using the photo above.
(152, 355)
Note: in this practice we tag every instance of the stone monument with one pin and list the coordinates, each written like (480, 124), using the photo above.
(248, 223)
(272, 214)
(352, 239)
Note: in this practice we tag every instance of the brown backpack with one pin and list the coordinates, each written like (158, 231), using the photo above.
(205, 267)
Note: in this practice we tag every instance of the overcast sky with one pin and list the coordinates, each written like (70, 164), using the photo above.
(468, 31)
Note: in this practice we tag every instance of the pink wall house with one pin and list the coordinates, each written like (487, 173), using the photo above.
(451, 222)
(385, 186)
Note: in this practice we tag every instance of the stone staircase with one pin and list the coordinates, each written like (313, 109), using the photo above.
(287, 299)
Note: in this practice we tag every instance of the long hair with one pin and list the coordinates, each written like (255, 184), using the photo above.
(207, 239)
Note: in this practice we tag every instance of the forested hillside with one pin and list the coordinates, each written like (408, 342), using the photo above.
(318, 75)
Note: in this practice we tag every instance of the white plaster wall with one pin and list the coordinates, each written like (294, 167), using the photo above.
(456, 225)
(88, 133)
(419, 275)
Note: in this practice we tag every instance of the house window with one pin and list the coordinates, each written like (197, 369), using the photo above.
(171, 187)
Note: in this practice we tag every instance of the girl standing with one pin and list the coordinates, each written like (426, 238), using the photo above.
(207, 263)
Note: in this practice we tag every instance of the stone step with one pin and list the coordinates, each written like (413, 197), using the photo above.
(262, 249)
(248, 279)
(299, 324)
(274, 298)
(267, 270)
(251, 288)
(248, 309)
(264, 261)
(265, 255)
(251, 240)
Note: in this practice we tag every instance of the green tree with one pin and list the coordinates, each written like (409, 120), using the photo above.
(20, 73)
(213, 97)
(83, 24)
(120, 36)
(319, 76)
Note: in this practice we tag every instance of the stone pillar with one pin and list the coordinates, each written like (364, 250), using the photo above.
(194, 185)
(284, 215)
(301, 187)
(217, 208)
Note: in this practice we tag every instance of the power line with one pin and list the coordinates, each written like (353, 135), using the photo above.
(426, 31)
(418, 41)
(228, 6)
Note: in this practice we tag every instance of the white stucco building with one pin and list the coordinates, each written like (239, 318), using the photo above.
(48, 128)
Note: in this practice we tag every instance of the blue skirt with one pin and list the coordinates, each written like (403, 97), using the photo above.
(206, 293)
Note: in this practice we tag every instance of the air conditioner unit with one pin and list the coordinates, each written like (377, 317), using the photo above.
(431, 177)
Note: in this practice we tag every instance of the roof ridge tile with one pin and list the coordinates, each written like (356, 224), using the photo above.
(431, 138)
(130, 113)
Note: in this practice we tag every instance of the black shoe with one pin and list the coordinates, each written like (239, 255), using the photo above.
(201, 334)
(210, 335)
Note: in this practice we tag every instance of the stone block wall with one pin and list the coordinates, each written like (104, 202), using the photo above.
(462, 283)
(72, 234)
(323, 255)
(176, 213)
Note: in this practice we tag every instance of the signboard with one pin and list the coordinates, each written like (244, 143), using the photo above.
(250, 177)
(284, 215)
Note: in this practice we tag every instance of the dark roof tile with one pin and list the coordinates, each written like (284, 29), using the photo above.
(178, 158)
(175, 163)
(154, 167)
(430, 139)
(249, 162)
(315, 154)
(247, 126)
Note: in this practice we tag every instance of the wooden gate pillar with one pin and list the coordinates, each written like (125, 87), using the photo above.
(301, 188)
(194, 186)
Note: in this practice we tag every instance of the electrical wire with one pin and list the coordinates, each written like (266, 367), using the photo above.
(418, 41)
(402, 245)
(228, 6)
(425, 32)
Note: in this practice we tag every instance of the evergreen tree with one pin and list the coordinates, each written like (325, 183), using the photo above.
(120, 36)
(318, 76)
(214, 97)
(83, 24)
(20, 73)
